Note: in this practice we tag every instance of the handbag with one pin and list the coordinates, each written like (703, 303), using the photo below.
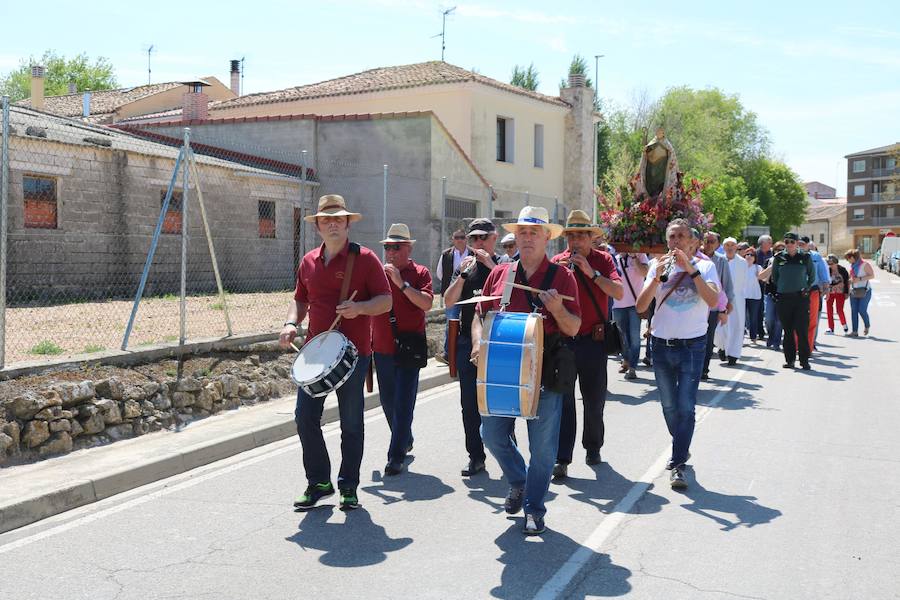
(558, 369)
(411, 347)
(606, 332)
(644, 314)
(859, 292)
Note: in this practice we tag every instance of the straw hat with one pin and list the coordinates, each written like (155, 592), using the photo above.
(398, 232)
(333, 205)
(535, 215)
(579, 221)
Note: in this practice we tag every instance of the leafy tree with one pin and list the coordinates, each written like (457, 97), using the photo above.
(60, 71)
(779, 192)
(525, 78)
(727, 199)
(578, 66)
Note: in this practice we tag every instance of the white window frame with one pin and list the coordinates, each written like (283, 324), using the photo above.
(538, 146)
(859, 214)
(859, 189)
(859, 166)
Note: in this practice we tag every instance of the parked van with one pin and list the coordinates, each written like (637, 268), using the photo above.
(889, 245)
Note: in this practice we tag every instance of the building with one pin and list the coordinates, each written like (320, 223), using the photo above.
(816, 190)
(530, 147)
(873, 195)
(826, 225)
(85, 200)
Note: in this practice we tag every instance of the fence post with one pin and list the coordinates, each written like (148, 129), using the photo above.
(443, 225)
(302, 205)
(384, 225)
(4, 198)
(184, 240)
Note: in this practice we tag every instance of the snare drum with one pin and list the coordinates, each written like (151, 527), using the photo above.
(324, 363)
(509, 364)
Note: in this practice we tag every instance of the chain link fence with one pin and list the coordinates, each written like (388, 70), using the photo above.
(124, 239)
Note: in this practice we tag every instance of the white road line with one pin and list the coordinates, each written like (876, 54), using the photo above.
(289, 445)
(557, 584)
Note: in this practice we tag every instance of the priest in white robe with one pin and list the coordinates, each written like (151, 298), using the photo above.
(730, 336)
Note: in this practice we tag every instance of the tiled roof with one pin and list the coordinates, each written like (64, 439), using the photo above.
(385, 78)
(881, 150)
(102, 103)
(826, 211)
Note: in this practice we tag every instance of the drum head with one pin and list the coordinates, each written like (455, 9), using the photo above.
(319, 356)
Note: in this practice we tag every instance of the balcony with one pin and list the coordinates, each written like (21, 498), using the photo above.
(886, 221)
(885, 172)
(884, 197)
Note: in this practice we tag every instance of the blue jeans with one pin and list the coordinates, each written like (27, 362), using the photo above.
(543, 441)
(450, 313)
(397, 389)
(754, 326)
(590, 362)
(630, 328)
(860, 307)
(308, 416)
(773, 323)
(677, 370)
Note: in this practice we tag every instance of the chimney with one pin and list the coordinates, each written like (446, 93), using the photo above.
(578, 144)
(37, 87)
(196, 103)
(86, 105)
(236, 77)
(73, 87)
(576, 80)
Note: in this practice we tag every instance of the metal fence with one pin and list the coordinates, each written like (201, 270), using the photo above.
(113, 240)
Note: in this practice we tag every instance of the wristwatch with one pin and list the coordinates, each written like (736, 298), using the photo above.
(291, 323)
(695, 274)
(596, 275)
(404, 286)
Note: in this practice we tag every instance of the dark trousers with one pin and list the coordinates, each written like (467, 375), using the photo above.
(308, 416)
(754, 320)
(397, 389)
(793, 312)
(590, 361)
(712, 323)
(468, 399)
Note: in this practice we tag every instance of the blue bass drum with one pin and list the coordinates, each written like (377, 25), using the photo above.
(509, 364)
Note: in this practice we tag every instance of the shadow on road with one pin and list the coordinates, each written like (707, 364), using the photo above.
(408, 487)
(530, 562)
(714, 505)
(609, 485)
(357, 542)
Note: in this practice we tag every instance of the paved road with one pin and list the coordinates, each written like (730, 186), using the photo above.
(793, 494)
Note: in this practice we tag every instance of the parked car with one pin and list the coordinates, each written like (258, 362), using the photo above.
(894, 264)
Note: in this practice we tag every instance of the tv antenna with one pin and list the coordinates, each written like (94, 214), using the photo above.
(242, 75)
(443, 33)
(149, 51)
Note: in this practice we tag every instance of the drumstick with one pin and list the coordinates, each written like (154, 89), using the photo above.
(531, 289)
(338, 318)
(294, 346)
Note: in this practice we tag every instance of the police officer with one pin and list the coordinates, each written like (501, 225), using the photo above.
(793, 275)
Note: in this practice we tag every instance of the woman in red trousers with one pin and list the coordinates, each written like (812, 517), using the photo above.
(840, 283)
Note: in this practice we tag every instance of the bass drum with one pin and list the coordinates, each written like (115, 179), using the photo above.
(509, 365)
(324, 363)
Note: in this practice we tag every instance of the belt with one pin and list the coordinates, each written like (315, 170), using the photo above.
(678, 342)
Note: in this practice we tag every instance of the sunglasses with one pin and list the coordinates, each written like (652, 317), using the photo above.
(459, 237)
(508, 246)
(480, 236)
(392, 247)
(790, 241)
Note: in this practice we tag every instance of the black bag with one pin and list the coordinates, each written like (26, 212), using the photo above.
(411, 347)
(607, 332)
(558, 371)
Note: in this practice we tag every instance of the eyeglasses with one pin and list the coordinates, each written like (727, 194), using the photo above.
(392, 247)
(508, 246)
(790, 241)
(459, 237)
(480, 236)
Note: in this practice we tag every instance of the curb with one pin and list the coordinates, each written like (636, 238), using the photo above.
(74, 494)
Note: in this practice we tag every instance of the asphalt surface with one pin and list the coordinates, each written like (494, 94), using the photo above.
(793, 493)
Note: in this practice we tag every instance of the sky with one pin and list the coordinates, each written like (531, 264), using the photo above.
(823, 77)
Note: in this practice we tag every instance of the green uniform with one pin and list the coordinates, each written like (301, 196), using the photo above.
(793, 273)
(793, 276)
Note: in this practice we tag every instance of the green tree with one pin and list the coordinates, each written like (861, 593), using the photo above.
(727, 199)
(578, 66)
(779, 192)
(525, 78)
(60, 71)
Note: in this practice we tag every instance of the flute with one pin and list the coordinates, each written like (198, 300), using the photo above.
(670, 266)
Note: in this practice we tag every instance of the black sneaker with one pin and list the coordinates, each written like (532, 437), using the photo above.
(514, 500)
(647, 361)
(349, 501)
(805, 366)
(312, 495)
(676, 478)
(533, 525)
(789, 365)
(732, 361)
(474, 468)
(592, 457)
(721, 355)
(704, 376)
(560, 472)
(671, 465)
(393, 468)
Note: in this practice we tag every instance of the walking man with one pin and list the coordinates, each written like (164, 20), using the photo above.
(793, 275)
(322, 294)
(446, 267)
(597, 279)
(678, 335)
(730, 335)
(716, 317)
(399, 342)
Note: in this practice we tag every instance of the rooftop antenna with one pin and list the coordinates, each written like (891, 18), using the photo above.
(242, 76)
(149, 51)
(443, 33)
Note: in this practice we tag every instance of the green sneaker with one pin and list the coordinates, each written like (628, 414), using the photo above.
(349, 501)
(312, 495)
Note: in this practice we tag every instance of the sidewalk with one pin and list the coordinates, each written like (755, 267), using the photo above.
(29, 493)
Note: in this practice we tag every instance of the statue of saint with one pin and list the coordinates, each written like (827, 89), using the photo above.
(658, 173)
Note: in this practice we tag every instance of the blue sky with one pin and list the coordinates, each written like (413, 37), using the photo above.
(823, 77)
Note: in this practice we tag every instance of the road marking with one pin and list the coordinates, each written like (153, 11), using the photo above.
(239, 461)
(557, 584)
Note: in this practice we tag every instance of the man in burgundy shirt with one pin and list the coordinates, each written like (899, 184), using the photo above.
(561, 318)
(399, 383)
(597, 279)
(319, 280)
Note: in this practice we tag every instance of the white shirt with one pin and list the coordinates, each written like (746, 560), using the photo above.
(457, 258)
(753, 291)
(628, 265)
(684, 315)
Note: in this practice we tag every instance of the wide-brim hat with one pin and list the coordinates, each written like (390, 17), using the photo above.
(579, 221)
(398, 233)
(535, 215)
(332, 205)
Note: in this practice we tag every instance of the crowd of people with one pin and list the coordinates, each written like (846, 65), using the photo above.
(700, 299)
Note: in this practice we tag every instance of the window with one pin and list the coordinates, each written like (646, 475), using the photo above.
(890, 163)
(40, 201)
(539, 146)
(505, 140)
(859, 214)
(461, 209)
(859, 189)
(503, 214)
(866, 244)
(266, 210)
(889, 212)
(859, 166)
(172, 220)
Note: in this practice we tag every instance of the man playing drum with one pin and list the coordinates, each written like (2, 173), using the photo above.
(319, 285)
(528, 486)
(398, 338)
(468, 282)
(597, 278)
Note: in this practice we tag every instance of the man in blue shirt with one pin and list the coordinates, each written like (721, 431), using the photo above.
(818, 291)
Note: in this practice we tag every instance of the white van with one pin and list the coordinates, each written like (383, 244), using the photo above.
(889, 245)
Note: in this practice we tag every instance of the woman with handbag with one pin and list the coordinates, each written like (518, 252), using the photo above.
(837, 294)
(860, 290)
(634, 269)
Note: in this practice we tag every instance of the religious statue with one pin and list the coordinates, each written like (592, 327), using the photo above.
(658, 172)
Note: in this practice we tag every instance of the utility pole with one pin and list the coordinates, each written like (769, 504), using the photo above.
(149, 50)
(443, 33)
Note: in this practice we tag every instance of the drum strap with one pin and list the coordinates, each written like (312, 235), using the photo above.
(545, 284)
(507, 289)
(352, 251)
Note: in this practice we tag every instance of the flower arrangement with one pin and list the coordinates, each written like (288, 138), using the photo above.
(638, 224)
